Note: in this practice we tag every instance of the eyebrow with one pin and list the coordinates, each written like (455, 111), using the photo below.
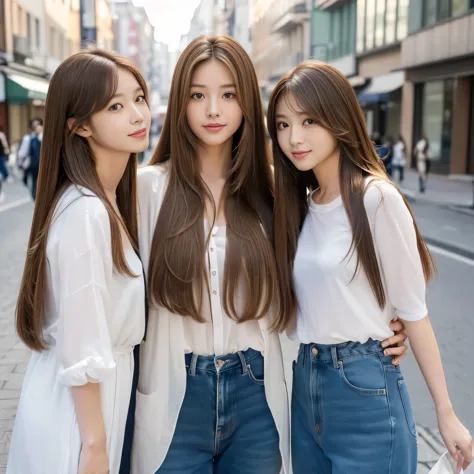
(284, 116)
(138, 89)
(224, 86)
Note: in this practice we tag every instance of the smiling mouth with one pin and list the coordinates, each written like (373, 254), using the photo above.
(300, 154)
(214, 127)
(139, 133)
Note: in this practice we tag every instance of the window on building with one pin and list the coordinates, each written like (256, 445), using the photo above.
(38, 34)
(52, 42)
(29, 36)
(402, 19)
(391, 21)
(459, 7)
(444, 9)
(2, 26)
(361, 9)
(370, 23)
(380, 23)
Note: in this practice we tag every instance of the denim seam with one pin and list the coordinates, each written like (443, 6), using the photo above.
(252, 376)
(311, 395)
(389, 417)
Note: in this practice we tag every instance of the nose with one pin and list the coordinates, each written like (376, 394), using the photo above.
(137, 116)
(213, 107)
(295, 138)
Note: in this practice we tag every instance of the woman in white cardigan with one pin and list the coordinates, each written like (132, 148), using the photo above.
(212, 395)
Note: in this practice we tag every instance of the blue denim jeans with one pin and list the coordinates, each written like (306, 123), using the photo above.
(351, 412)
(225, 425)
(3, 166)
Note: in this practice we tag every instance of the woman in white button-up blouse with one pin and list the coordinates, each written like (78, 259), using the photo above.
(212, 396)
(81, 307)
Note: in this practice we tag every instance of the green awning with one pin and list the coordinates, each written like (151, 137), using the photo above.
(21, 89)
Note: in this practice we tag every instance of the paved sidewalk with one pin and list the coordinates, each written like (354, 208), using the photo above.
(441, 190)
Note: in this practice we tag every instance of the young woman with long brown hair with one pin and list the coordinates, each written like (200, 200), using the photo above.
(81, 307)
(349, 256)
(212, 396)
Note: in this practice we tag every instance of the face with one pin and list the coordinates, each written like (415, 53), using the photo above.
(124, 125)
(213, 112)
(305, 143)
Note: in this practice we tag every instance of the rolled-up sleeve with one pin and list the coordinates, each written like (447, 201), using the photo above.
(85, 267)
(396, 246)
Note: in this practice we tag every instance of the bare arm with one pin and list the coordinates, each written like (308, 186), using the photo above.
(426, 351)
(90, 420)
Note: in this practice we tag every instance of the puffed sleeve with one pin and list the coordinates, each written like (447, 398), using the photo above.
(396, 245)
(85, 267)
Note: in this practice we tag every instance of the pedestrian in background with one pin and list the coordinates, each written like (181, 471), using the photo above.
(421, 154)
(35, 154)
(4, 152)
(399, 158)
(23, 155)
(388, 158)
(81, 307)
(350, 257)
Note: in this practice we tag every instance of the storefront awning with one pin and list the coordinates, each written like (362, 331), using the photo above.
(380, 87)
(21, 89)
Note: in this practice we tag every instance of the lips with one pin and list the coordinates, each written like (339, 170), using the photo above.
(214, 127)
(139, 133)
(299, 155)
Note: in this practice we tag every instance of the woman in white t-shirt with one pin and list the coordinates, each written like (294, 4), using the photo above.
(350, 257)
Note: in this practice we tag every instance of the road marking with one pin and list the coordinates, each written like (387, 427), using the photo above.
(452, 255)
(12, 205)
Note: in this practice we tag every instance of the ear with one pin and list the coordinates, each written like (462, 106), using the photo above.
(82, 131)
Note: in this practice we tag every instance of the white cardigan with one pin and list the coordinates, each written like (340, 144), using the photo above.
(162, 383)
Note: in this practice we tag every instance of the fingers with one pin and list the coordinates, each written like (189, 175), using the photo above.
(466, 452)
(396, 326)
(395, 340)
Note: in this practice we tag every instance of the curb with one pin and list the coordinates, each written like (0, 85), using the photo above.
(462, 251)
(457, 249)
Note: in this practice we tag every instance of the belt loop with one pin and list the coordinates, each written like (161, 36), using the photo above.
(334, 357)
(305, 350)
(193, 364)
(243, 362)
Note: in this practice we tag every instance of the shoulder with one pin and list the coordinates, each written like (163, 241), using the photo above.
(80, 216)
(382, 194)
(152, 174)
(152, 182)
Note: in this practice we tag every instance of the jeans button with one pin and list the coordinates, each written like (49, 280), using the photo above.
(314, 351)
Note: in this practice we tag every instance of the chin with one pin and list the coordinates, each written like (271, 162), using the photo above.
(214, 141)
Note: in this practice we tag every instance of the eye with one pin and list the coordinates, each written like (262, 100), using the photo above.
(115, 107)
(141, 98)
(229, 95)
(282, 125)
(197, 96)
(309, 122)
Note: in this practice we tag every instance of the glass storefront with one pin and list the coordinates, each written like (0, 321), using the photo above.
(433, 118)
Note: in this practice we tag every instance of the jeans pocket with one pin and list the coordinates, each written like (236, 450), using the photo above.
(405, 396)
(253, 378)
(364, 375)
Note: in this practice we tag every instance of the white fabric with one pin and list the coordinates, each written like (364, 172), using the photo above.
(162, 383)
(399, 158)
(335, 309)
(220, 335)
(93, 318)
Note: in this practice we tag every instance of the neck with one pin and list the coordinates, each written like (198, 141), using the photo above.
(327, 174)
(215, 161)
(110, 167)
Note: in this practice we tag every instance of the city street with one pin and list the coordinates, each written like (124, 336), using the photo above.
(450, 302)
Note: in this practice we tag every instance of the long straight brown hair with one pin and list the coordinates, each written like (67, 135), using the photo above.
(177, 270)
(81, 86)
(326, 96)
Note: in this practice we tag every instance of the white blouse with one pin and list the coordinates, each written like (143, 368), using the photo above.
(94, 316)
(220, 335)
(333, 307)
